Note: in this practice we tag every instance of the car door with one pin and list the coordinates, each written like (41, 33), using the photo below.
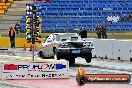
(48, 46)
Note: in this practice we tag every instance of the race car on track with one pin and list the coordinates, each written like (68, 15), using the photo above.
(66, 46)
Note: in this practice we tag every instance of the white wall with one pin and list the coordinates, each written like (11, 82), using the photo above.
(122, 49)
(113, 49)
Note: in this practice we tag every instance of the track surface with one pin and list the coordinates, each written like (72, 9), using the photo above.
(97, 66)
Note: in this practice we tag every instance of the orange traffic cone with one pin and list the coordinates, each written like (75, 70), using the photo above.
(31, 48)
(24, 48)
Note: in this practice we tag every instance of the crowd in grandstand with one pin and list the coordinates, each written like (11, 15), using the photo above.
(116, 18)
(126, 18)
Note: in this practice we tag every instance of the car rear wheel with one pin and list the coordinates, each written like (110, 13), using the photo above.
(40, 54)
(88, 58)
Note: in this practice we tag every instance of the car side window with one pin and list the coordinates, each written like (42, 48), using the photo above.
(49, 39)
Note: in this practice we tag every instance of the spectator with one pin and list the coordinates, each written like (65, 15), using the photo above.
(83, 33)
(109, 18)
(115, 18)
(98, 31)
(130, 17)
(12, 37)
(103, 31)
(17, 28)
(124, 18)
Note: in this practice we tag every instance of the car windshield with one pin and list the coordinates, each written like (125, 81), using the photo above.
(64, 37)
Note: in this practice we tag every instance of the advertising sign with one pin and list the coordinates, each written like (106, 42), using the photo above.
(34, 70)
(34, 66)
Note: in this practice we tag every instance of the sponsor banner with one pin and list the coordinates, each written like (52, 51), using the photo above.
(34, 66)
(36, 75)
(103, 78)
(83, 78)
(34, 70)
(111, 78)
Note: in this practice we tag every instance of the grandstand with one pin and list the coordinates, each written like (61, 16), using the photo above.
(62, 15)
(12, 13)
(4, 6)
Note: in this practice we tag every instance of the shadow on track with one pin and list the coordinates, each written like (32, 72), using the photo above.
(82, 65)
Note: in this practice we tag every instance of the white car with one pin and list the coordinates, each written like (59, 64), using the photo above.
(66, 46)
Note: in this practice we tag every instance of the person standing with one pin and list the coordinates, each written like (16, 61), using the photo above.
(103, 31)
(17, 28)
(98, 31)
(83, 33)
(130, 17)
(124, 18)
(12, 37)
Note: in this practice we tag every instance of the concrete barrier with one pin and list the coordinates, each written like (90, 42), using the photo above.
(19, 42)
(112, 49)
(122, 50)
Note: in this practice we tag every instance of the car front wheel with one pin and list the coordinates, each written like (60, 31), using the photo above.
(40, 54)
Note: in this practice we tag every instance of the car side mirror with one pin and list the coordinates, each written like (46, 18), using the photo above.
(47, 37)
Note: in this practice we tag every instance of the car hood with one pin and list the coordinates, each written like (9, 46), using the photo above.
(79, 44)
